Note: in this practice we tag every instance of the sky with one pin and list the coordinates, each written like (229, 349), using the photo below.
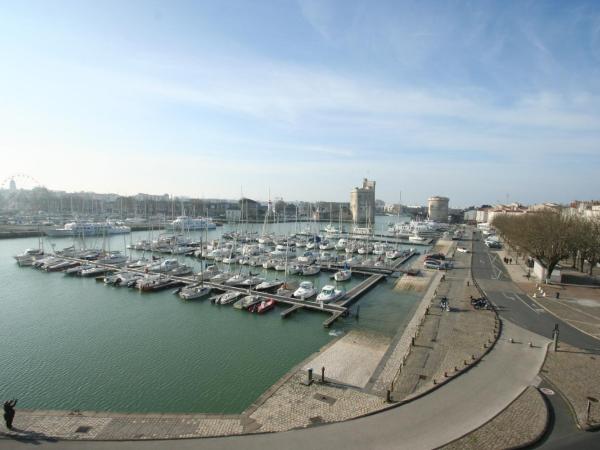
(479, 101)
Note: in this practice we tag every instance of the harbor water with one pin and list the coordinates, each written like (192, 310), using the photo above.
(75, 344)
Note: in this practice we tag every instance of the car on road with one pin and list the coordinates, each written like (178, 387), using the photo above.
(462, 249)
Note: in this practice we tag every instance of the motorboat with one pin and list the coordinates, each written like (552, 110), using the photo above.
(311, 270)
(247, 302)
(269, 264)
(268, 285)
(341, 244)
(343, 275)
(252, 281)
(194, 291)
(89, 229)
(329, 294)
(305, 290)
(28, 257)
(220, 277)
(326, 245)
(265, 305)
(78, 269)
(229, 297)
(393, 254)
(235, 280)
(181, 270)
(307, 257)
(113, 258)
(59, 266)
(185, 223)
(93, 271)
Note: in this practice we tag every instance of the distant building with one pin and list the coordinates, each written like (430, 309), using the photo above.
(437, 208)
(13, 185)
(482, 215)
(470, 215)
(362, 203)
(514, 209)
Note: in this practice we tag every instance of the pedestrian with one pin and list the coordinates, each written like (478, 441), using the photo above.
(9, 412)
(510, 261)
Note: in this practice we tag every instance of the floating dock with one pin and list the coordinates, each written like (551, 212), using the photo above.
(336, 309)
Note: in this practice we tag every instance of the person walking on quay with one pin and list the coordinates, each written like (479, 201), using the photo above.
(9, 412)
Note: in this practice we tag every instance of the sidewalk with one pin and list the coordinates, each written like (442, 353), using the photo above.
(447, 342)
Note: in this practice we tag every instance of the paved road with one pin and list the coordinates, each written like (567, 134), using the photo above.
(439, 417)
(516, 306)
(563, 433)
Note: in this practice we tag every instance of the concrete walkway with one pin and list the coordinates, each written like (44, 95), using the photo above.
(447, 413)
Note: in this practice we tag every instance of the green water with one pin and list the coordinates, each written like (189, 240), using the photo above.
(73, 343)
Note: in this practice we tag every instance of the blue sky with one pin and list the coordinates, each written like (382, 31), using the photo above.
(480, 101)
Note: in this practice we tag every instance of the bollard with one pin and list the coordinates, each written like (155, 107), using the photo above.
(456, 368)
(511, 340)
(467, 283)
(323, 374)
(412, 341)
(466, 363)
(310, 376)
(434, 381)
(473, 357)
(587, 413)
(484, 345)
(446, 374)
(392, 386)
(530, 344)
(557, 295)
(388, 396)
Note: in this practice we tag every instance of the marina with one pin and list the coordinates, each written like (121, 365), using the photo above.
(141, 334)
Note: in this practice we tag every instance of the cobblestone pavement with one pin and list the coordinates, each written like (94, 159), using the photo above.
(576, 374)
(110, 426)
(446, 342)
(295, 405)
(352, 359)
(521, 423)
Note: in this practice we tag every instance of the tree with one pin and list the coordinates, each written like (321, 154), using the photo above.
(546, 235)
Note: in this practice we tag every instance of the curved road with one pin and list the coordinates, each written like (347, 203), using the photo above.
(516, 306)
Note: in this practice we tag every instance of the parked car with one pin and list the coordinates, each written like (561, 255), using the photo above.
(462, 249)
(431, 264)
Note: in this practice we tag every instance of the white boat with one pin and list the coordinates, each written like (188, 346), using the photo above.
(326, 245)
(306, 290)
(269, 264)
(220, 277)
(208, 272)
(329, 294)
(307, 258)
(89, 229)
(341, 244)
(229, 297)
(181, 270)
(393, 254)
(247, 301)
(266, 285)
(194, 291)
(113, 258)
(185, 223)
(343, 275)
(416, 238)
(311, 270)
(235, 280)
(252, 281)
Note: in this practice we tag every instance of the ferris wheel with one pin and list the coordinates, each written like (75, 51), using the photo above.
(20, 181)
